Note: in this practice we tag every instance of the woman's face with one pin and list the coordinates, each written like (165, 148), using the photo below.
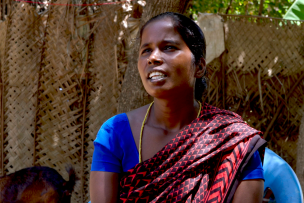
(165, 61)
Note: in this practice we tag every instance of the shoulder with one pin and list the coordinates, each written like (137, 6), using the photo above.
(221, 118)
(209, 109)
(115, 120)
(112, 127)
(136, 116)
(254, 168)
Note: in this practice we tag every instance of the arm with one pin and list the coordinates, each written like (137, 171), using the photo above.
(251, 188)
(249, 191)
(104, 187)
(106, 165)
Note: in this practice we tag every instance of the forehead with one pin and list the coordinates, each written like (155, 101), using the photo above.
(160, 30)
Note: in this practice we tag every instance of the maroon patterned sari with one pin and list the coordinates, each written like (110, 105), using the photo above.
(202, 163)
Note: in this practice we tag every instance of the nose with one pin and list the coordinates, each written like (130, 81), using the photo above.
(155, 58)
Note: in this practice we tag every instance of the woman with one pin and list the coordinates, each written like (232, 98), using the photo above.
(176, 149)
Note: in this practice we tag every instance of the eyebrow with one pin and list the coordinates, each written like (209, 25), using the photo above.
(144, 45)
(165, 42)
(171, 42)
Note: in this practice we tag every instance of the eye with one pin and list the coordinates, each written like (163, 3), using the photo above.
(170, 48)
(146, 51)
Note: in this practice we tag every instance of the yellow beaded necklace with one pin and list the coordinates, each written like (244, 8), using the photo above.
(143, 124)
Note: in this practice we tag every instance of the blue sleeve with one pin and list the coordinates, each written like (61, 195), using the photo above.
(107, 153)
(254, 168)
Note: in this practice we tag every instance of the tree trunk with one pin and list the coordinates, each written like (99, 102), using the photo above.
(261, 7)
(133, 94)
(300, 152)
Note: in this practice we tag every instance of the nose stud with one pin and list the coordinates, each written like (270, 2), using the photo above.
(149, 61)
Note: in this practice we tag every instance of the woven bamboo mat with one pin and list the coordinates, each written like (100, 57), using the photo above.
(20, 77)
(48, 106)
(264, 67)
(104, 79)
(3, 29)
(214, 90)
(59, 125)
(264, 61)
(3, 26)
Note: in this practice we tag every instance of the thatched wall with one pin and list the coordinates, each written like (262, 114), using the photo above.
(264, 77)
(59, 79)
(19, 73)
(62, 73)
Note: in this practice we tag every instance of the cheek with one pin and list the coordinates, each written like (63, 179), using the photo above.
(187, 67)
(141, 66)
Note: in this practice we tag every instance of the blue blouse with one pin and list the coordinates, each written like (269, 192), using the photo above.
(116, 151)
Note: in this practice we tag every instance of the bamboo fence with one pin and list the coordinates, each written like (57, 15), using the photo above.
(60, 81)
(261, 76)
(62, 70)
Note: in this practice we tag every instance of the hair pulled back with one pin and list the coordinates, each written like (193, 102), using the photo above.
(195, 40)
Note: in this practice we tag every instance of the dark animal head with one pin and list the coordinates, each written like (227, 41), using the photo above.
(37, 185)
(69, 185)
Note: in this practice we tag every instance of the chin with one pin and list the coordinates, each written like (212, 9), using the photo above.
(163, 93)
(158, 93)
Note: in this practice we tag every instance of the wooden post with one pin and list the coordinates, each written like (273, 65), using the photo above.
(300, 152)
(261, 7)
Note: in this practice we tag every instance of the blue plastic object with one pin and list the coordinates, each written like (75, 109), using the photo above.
(281, 179)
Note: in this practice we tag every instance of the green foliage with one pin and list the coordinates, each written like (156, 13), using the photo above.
(296, 11)
(271, 8)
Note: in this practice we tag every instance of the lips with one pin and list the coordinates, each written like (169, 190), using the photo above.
(156, 75)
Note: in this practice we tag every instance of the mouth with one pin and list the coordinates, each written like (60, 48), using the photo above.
(156, 75)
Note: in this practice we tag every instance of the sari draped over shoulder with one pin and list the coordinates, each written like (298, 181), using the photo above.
(203, 163)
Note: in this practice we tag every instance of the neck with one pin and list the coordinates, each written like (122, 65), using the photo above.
(173, 115)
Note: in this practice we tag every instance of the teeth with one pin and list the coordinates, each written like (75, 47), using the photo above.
(156, 75)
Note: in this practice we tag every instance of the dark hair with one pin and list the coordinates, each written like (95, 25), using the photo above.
(195, 40)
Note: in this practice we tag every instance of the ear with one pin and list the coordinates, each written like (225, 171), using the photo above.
(201, 69)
